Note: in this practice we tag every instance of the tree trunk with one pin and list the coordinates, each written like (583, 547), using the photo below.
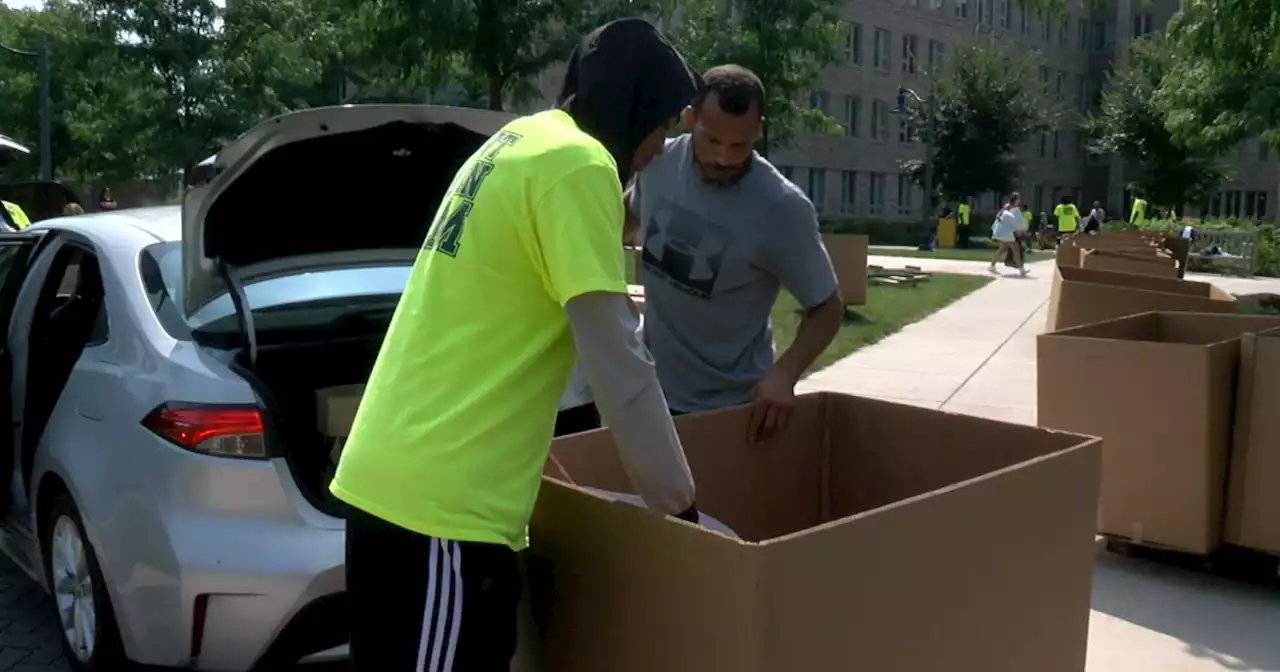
(495, 92)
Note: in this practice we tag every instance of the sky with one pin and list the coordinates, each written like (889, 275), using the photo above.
(23, 3)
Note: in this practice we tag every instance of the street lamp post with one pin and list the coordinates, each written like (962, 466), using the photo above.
(41, 54)
(930, 138)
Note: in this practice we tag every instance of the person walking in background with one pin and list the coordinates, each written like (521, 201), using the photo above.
(1068, 217)
(105, 200)
(521, 269)
(1138, 214)
(1097, 217)
(723, 232)
(962, 225)
(1004, 230)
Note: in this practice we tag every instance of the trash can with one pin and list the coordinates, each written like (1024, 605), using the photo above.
(946, 232)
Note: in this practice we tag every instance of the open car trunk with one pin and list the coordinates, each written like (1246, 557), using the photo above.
(319, 190)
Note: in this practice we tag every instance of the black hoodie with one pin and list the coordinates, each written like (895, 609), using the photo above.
(624, 81)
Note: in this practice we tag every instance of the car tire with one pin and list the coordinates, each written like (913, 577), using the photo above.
(90, 636)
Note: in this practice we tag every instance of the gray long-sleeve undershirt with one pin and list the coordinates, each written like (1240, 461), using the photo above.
(620, 372)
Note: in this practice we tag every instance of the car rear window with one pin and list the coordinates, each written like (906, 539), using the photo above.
(161, 268)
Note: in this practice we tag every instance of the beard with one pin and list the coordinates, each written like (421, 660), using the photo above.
(718, 175)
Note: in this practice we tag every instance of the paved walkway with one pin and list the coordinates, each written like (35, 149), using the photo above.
(977, 356)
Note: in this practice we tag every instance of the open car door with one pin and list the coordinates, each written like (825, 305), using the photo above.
(17, 250)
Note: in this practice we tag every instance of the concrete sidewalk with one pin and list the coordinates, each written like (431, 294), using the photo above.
(977, 356)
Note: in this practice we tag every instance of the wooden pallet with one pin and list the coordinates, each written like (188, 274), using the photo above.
(1230, 562)
(909, 275)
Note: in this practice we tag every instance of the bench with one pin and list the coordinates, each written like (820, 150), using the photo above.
(1233, 249)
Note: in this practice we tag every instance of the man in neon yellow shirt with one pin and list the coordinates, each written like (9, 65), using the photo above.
(16, 215)
(1068, 216)
(1138, 214)
(962, 225)
(522, 266)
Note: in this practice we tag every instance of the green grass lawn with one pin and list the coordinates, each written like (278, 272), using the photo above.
(969, 254)
(888, 309)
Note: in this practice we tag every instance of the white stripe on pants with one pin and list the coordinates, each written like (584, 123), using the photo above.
(441, 620)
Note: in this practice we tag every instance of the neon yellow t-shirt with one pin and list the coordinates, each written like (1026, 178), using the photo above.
(16, 214)
(1068, 216)
(963, 213)
(1139, 212)
(454, 428)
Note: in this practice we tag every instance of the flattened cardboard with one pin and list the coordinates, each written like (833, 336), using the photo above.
(848, 254)
(336, 409)
(1080, 296)
(878, 535)
(1158, 389)
(1129, 262)
(1253, 487)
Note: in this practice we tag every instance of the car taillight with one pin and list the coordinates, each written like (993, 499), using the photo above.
(225, 431)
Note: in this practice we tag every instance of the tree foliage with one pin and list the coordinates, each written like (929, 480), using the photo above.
(786, 42)
(988, 103)
(1132, 124)
(1224, 84)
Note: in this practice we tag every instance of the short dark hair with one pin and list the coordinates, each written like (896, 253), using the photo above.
(737, 90)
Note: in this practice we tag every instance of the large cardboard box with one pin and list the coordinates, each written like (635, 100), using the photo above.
(1253, 486)
(1157, 387)
(1133, 242)
(876, 536)
(1080, 296)
(848, 254)
(1129, 262)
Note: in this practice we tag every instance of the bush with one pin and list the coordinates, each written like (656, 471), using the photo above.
(1266, 252)
(887, 232)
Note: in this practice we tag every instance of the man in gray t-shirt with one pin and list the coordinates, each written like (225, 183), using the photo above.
(723, 231)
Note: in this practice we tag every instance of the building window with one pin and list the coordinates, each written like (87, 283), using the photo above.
(910, 47)
(787, 172)
(853, 43)
(848, 190)
(1064, 26)
(962, 9)
(911, 3)
(906, 195)
(1004, 14)
(875, 195)
(852, 113)
(1038, 198)
(1023, 18)
(1044, 81)
(1046, 29)
(984, 12)
(1264, 150)
(1042, 145)
(906, 130)
(820, 101)
(1057, 145)
(937, 56)
(1081, 95)
(879, 120)
(1060, 84)
(1099, 34)
(817, 190)
(1083, 28)
(1141, 25)
(881, 55)
(935, 5)
(1095, 92)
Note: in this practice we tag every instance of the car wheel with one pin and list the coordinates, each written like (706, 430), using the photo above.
(90, 637)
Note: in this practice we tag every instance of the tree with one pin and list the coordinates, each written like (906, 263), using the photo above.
(988, 104)
(786, 42)
(493, 48)
(1224, 84)
(1132, 125)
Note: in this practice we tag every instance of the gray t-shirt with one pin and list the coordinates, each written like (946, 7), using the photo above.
(715, 258)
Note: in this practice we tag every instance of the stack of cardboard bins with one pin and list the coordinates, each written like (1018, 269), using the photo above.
(1138, 252)
(874, 536)
(1080, 296)
(1185, 403)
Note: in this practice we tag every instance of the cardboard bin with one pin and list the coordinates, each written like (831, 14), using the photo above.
(876, 536)
(1129, 262)
(1080, 296)
(1157, 387)
(1253, 486)
(1132, 242)
(848, 254)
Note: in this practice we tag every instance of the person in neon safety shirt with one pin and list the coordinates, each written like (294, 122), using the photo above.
(962, 224)
(1138, 214)
(16, 215)
(522, 266)
(1068, 216)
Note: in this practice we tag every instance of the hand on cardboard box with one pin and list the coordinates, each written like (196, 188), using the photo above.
(775, 397)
